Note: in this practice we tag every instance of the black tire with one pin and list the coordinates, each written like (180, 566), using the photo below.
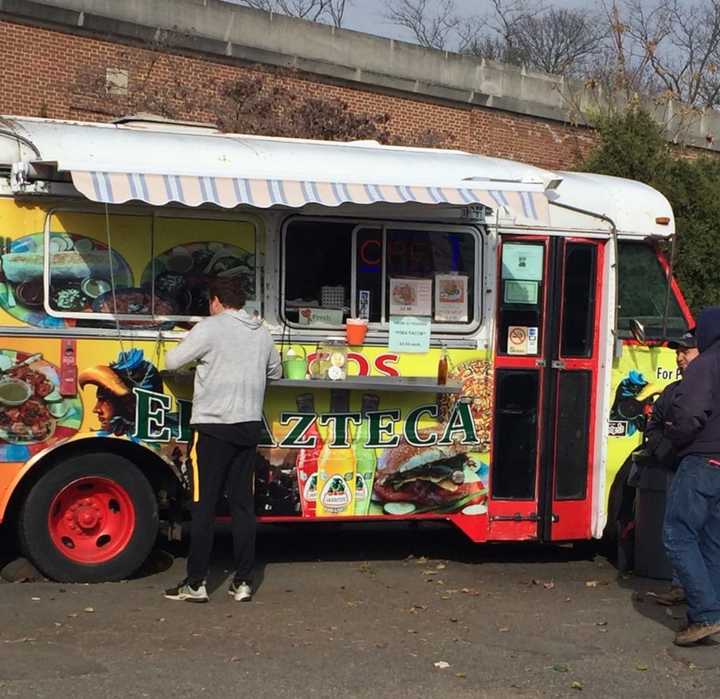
(34, 528)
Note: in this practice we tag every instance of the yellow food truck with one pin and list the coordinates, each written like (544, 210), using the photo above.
(454, 329)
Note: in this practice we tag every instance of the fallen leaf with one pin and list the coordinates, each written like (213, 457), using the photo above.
(561, 668)
(442, 664)
(592, 583)
(89, 610)
(601, 623)
(453, 620)
(576, 685)
(440, 566)
(642, 668)
(429, 572)
(461, 675)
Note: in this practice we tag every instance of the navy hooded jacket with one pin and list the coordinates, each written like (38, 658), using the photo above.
(695, 427)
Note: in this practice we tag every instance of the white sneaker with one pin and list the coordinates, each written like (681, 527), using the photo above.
(241, 591)
(187, 593)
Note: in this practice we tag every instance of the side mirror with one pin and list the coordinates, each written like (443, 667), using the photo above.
(638, 331)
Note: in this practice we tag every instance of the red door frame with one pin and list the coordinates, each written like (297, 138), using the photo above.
(516, 520)
(572, 518)
(513, 520)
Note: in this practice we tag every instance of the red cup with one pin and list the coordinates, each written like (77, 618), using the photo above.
(355, 330)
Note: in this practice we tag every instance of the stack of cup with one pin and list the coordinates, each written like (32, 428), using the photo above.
(355, 330)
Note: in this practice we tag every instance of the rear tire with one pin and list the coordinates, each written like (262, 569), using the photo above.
(91, 518)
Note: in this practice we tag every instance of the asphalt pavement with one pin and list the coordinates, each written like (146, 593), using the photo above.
(357, 611)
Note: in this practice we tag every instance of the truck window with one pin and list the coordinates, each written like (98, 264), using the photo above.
(140, 268)
(642, 292)
(334, 269)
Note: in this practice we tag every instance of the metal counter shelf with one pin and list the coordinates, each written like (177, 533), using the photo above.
(414, 384)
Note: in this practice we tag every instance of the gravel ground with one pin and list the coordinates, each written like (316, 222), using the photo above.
(358, 611)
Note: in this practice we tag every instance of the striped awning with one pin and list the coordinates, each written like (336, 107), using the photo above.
(524, 201)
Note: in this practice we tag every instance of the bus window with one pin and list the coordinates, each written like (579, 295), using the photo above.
(513, 474)
(576, 339)
(642, 292)
(317, 272)
(190, 251)
(521, 302)
(335, 268)
(88, 254)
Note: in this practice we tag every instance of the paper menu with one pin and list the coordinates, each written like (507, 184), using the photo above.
(410, 297)
(451, 298)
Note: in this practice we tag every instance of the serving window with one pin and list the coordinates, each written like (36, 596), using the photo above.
(337, 269)
(139, 269)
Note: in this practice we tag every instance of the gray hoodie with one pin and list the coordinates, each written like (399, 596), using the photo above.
(235, 356)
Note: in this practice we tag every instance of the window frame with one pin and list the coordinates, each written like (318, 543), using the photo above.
(384, 224)
(153, 214)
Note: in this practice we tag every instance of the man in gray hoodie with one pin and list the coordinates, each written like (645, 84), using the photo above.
(235, 357)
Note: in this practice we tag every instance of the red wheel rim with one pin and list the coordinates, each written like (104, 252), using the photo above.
(91, 520)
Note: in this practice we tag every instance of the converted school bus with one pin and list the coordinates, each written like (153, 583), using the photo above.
(529, 281)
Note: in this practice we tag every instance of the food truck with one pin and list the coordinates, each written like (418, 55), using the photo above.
(454, 330)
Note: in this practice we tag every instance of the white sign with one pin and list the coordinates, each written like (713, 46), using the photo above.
(410, 297)
(320, 316)
(522, 261)
(409, 334)
(451, 298)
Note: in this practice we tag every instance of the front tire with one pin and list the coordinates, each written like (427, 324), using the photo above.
(91, 518)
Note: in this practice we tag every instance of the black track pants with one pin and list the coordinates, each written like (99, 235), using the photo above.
(216, 463)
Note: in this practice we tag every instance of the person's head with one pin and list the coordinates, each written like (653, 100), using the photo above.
(708, 327)
(224, 293)
(686, 349)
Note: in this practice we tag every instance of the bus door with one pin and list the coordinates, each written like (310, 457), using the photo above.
(546, 373)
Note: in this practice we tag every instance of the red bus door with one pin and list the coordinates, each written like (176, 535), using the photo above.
(546, 373)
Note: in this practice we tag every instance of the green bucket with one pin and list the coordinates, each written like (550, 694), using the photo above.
(294, 365)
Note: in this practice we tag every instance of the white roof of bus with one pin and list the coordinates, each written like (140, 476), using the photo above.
(165, 149)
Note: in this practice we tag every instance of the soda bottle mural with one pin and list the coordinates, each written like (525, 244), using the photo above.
(307, 460)
(365, 459)
(336, 476)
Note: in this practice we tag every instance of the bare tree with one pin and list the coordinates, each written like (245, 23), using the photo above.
(433, 27)
(520, 32)
(325, 11)
(680, 44)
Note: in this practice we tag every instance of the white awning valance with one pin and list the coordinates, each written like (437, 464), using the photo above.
(523, 200)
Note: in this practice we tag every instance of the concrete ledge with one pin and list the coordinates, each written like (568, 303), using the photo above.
(231, 32)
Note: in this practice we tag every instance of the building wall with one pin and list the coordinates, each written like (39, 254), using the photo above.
(60, 74)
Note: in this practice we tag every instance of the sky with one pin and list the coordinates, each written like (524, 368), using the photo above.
(369, 15)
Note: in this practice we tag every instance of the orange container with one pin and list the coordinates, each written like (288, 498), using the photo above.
(355, 330)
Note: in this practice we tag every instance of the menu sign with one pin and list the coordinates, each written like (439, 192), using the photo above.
(410, 297)
(451, 298)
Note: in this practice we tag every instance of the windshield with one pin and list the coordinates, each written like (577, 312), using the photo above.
(642, 292)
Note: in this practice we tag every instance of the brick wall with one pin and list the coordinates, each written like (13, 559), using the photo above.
(61, 75)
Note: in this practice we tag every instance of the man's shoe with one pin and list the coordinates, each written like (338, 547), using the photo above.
(694, 633)
(241, 591)
(675, 596)
(186, 592)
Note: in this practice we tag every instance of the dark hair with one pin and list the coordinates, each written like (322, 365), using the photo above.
(228, 290)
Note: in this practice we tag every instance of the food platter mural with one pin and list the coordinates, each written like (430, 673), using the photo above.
(181, 273)
(81, 269)
(34, 414)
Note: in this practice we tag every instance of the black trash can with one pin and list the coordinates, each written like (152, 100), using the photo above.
(651, 561)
